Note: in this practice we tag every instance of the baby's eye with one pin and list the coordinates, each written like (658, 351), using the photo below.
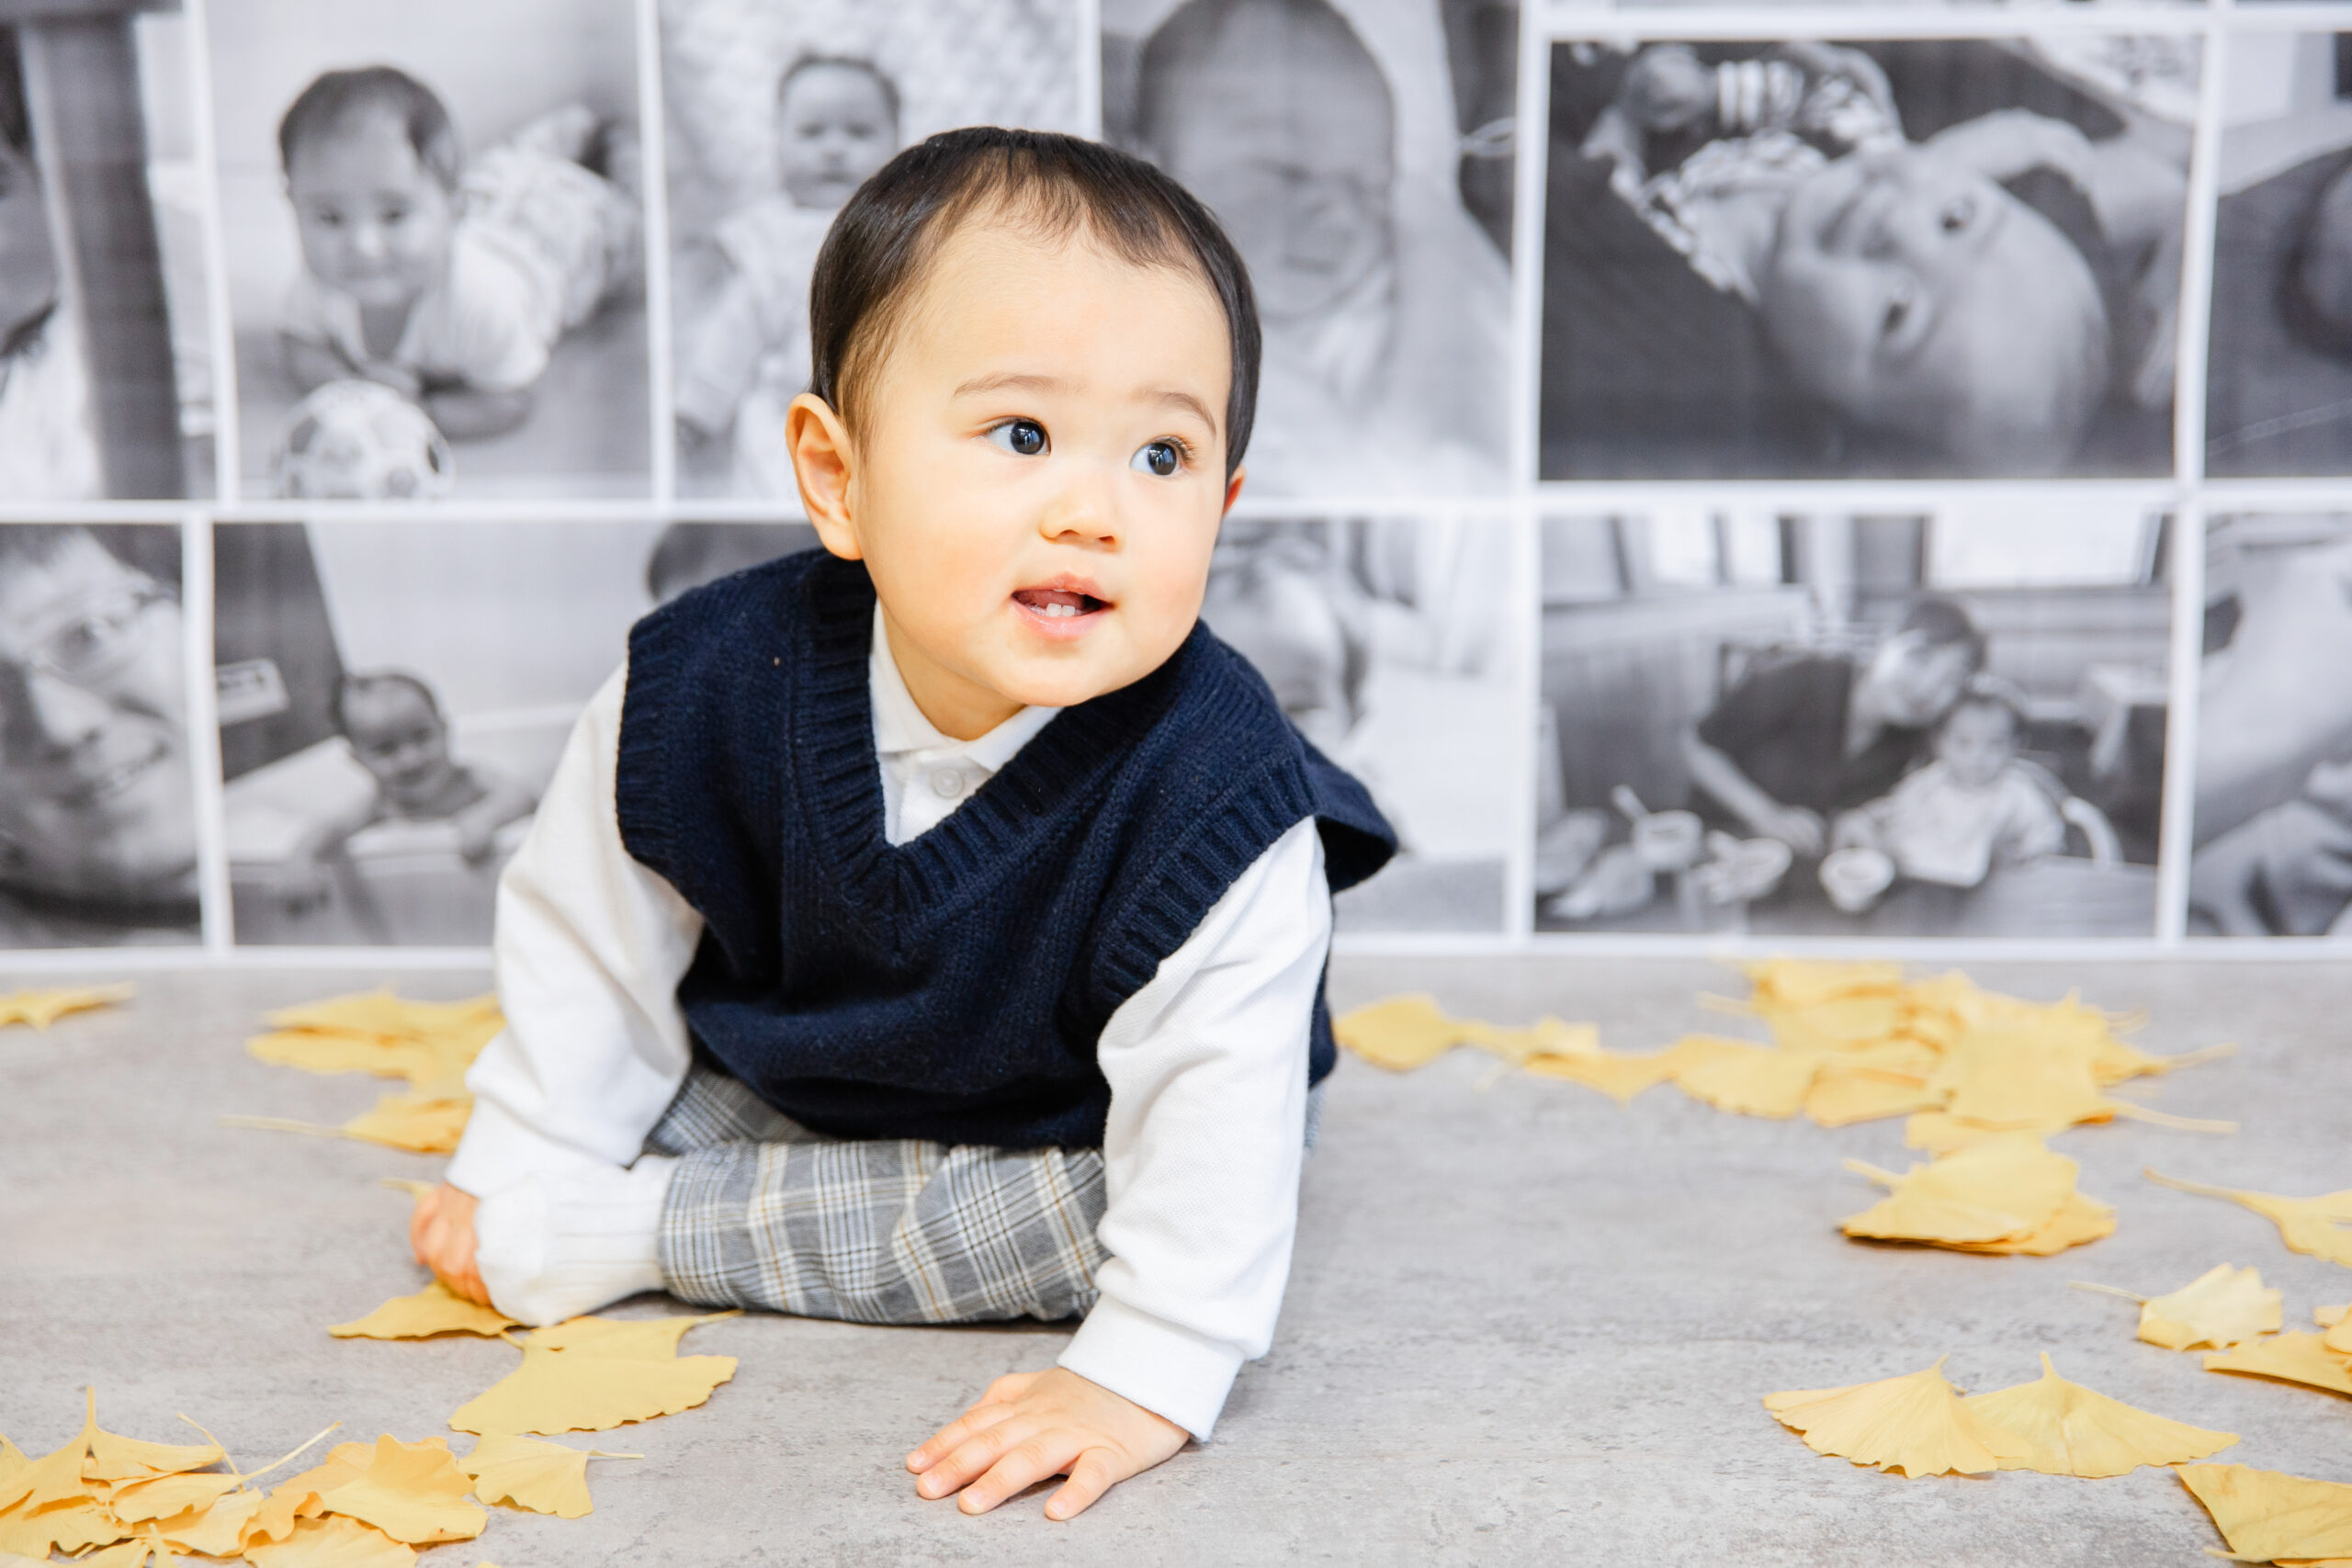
(1021, 437)
(1959, 214)
(1161, 457)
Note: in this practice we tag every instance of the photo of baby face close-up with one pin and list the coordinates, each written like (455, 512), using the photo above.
(376, 214)
(1976, 741)
(1919, 297)
(836, 122)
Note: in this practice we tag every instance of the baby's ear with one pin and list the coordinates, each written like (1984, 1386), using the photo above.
(824, 462)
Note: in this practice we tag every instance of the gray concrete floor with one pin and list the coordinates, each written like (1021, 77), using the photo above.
(1524, 1325)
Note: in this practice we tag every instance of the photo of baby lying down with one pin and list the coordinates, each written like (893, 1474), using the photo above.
(393, 696)
(778, 113)
(1922, 257)
(440, 288)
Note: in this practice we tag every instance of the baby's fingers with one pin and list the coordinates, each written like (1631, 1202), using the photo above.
(1041, 1454)
(972, 1430)
(1096, 1472)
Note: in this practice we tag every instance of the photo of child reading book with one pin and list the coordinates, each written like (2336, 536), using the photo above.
(437, 285)
(1936, 258)
(776, 113)
(930, 927)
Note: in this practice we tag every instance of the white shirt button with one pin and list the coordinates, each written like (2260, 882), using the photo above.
(947, 783)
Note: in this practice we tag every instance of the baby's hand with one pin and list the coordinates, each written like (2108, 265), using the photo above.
(1032, 1425)
(441, 1230)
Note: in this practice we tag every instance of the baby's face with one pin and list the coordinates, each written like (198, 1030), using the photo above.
(833, 128)
(399, 740)
(375, 222)
(28, 260)
(1287, 132)
(1919, 297)
(1040, 471)
(1976, 743)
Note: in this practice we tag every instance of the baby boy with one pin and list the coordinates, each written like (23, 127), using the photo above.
(448, 283)
(930, 927)
(1975, 805)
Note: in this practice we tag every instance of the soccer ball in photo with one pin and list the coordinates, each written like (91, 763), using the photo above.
(360, 441)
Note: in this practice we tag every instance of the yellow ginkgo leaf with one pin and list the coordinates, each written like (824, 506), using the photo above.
(2079, 1221)
(139, 1552)
(1940, 1133)
(2337, 1321)
(1739, 1076)
(411, 1492)
(218, 1530)
(594, 1374)
(2020, 1080)
(2006, 1190)
(1806, 983)
(100, 1457)
(2072, 1431)
(334, 1542)
(386, 1016)
(168, 1494)
(2267, 1516)
(2222, 1307)
(298, 1498)
(2290, 1358)
(1913, 1426)
(427, 1121)
(41, 1009)
(1841, 1097)
(73, 1525)
(1400, 1033)
(434, 1310)
(2320, 1227)
(345, 1053)
(1618, 1075)
(546, 1478)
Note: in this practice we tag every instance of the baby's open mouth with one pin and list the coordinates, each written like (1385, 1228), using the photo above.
(1059, 603)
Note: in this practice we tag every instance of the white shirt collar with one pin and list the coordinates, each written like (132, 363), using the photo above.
(901, 729)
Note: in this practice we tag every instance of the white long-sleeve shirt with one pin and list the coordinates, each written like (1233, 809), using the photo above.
(1207, 1063)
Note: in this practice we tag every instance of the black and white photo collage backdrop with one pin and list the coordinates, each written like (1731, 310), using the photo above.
(1728, 476)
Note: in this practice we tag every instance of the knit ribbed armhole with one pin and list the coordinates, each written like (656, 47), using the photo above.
(1229, 835)
(644, 795)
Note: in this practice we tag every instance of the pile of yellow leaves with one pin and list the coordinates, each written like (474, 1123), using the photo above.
(430, 1044)
(41, 1009)
(365, 1506)
(2006, 1194)
(1851, 1042)
(1920, 1425)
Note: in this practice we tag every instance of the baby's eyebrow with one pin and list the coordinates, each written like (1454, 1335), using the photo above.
(1032, 382)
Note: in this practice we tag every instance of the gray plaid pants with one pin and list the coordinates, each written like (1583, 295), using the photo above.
(763, 1212)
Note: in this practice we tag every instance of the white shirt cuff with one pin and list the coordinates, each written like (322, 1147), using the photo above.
(1171, 1371)
(500, 1149)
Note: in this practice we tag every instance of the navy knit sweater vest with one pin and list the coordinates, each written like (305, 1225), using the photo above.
(952, 986)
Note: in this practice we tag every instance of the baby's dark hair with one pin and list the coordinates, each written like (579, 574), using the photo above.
(881, 245)
(811, 61)
(1993, 697)
(333, 100)
(1945, 623)
(364, 683)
